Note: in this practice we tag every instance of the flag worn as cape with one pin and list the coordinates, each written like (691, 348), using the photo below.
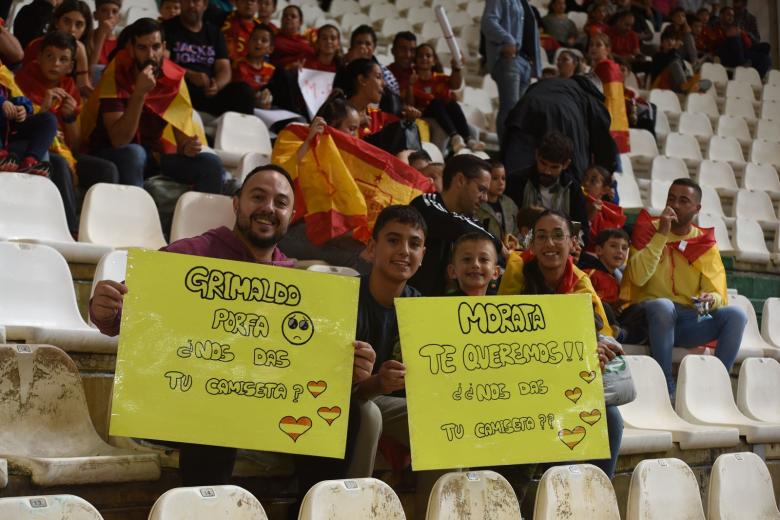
(700, 251)
(31, 81)
(342, 183)
(612, 82)
(610, 216)
(169, 99)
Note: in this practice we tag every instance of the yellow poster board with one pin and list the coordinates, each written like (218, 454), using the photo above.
(235, 354)
(501, 380)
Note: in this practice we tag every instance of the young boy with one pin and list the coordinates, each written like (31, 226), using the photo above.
(238, 28)
(473, 265)
(602, 213)
(265, 11)
(253, 69)
(396, 250)
(499, 214)
(104, 40)
(169, 9)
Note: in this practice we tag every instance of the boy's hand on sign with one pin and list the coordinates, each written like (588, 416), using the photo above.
(107, 299)
(392, 375)
(364, 361)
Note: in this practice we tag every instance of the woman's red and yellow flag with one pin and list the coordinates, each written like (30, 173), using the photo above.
(342, 183)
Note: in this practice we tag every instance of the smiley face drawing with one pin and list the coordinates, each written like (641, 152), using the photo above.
(297, 328)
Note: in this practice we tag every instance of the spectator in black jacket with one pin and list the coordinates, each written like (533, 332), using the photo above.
(448, 215)
(574, 107)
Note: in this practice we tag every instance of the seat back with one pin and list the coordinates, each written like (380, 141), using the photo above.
(770, 321)
(725, 149)
(682, 146)
(36, 288)
(628, 189)
(717, 174)
(768, 129)
(754, 204)
(668, 169)
(120, 216)
(752, 335)
(710, 201)
(703, 103)
(771, 93)
(473, 494)
(770, 110)
(708, 220)
(43, 411)
(734, 126)
(31, 207)
(665, 100)
(650, 384)
(748, 75)
(242, 133)
(51, 507)
(364, 498)
(762, 177)
(765, 152)
(659, 193)
(749, 237)
(740, 487)
(740, 89)
(692, 123)
(197, 213)
(576, 492)
(740, 107)
(715, 72)
(659, 486)
(703, 388)
(207, 503)
(642, 143)
(758, 390)
(433, 151)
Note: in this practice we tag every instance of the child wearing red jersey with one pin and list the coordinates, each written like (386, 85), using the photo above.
(253, 69)
(430, 92)
(238, 28)
(602, 212)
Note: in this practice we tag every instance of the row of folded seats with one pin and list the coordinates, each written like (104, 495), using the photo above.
(740, 487)
(44, 402)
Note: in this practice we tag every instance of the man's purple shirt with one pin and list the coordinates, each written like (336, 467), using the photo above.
(216, 243)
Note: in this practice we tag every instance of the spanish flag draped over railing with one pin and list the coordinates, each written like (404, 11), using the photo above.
(342, 183)
(169, 99)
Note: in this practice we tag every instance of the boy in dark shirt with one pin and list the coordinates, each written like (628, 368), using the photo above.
(396, 250)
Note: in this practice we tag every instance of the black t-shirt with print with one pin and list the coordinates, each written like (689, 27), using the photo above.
(195, 51)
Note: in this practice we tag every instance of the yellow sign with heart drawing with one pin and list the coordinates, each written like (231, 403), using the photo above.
(235, 354)
(502, 380)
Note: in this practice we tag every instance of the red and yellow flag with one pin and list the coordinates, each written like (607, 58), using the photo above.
(612, 82)
(342, 183)
(169, 99)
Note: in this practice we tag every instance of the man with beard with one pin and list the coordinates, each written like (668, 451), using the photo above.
(676, 275)
(549, 183)
(140, 94)
(263, 207)
(200, 48)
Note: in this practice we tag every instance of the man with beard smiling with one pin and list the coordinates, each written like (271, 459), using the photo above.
(549, 183)
(263, 207)
(141, 93)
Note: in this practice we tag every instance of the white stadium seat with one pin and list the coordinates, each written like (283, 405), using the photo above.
(47, 430)
(755, 205)
(716, 73)
(38, 302)
(207, 503)
(695, 124)
(770, 321)
(753, 343)
(750, 76)
(576, 492)
(702, 103)
(48, 507)
(197, 213)
(668, 169)
(765, 152)
(708, 220)
(718, 175)
(741, 107)
(762, 177)
(364, 498)
(704, 396)
(659, 193)
(666, 101)
(643, 149)
(710, 203)
(733, 126)
(31, 210)
(749, 242)
(652, 410)
(470, 495)
(684, 147)
(661, 486)
(740, 89)
(120, 216)
(636, 441)
(768, 129)
(770, 110)
(758, 390)
(740, 488)
(238, 134)
(726, 149)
